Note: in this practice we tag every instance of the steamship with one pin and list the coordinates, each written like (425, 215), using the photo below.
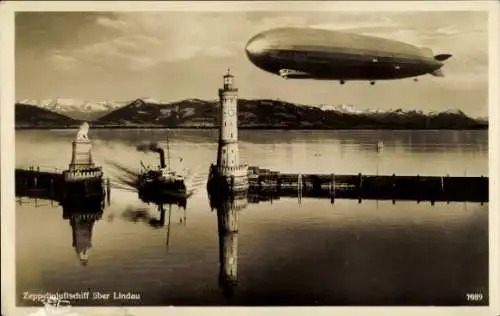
(163, 182)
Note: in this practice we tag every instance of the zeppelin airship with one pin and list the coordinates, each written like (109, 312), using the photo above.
(305, 53)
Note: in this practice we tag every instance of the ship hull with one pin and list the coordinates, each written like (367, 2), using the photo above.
(160, 186)
(161, 192)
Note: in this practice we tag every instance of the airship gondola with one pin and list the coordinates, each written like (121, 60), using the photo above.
(306, 53)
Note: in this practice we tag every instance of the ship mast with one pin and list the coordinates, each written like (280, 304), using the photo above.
(168, 225)
(168, 152)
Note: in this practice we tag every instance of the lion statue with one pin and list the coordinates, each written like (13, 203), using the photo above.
(83, 132)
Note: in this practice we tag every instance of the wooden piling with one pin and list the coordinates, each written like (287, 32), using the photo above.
(332, 189)
(299, 187)
(360, 187)
(108, 191)
(299, 183)
(52, 195)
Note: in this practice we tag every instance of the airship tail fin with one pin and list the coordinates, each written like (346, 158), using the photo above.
(437, 73)
(442, 57)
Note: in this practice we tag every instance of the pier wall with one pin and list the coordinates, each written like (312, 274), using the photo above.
(265, 184)
(389, 187)
(52, 186)
(39, 184)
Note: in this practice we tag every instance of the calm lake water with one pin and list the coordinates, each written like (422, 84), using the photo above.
(286, 253)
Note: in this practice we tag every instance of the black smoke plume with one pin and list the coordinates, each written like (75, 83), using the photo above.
(154, 148)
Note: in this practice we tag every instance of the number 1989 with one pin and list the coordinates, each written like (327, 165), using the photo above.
(474, 297)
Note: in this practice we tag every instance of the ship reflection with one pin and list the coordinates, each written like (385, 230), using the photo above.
(227, 208)
(159, 223)
(164, 204)
(82, 219)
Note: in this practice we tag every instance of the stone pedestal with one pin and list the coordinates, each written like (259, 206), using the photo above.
(81, 157)
(82, 167)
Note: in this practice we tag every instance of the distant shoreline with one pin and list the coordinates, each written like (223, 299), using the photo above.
(136, 127)
(254, 115)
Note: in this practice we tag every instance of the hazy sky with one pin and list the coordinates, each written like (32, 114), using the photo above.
(175, 55)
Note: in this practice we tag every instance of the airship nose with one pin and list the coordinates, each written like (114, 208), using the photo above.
(257, 45)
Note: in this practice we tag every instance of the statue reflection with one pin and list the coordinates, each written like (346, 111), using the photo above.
(82, 219)
(227, 225)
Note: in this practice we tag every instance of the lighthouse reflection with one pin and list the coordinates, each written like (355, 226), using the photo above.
(227, 207)
(82, 219)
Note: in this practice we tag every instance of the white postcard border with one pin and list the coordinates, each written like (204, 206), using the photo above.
(7, 99)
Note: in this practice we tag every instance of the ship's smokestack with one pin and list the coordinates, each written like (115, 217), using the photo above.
(153, 147)
(162, 157)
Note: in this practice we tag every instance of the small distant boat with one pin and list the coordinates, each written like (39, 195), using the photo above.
(380, 145)
(162, 181)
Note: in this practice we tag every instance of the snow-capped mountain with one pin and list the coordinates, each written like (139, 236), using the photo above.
(343, 108)
(252, 113)
(88, 110)
(72, 105)
(75, 108)
(350, 109)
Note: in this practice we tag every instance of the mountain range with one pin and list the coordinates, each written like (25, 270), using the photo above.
(77, 109)
(252, 113)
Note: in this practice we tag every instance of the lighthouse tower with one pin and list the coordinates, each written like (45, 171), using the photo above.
(228, 165)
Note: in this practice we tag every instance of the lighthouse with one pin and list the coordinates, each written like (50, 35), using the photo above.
(228, 168)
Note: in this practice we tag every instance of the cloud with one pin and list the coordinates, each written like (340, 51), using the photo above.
(441, 32)
(448, 30)
(141, 40)
(111, 23)
(138, 41)
(64, 62)
(357, 22)
(170, 54)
